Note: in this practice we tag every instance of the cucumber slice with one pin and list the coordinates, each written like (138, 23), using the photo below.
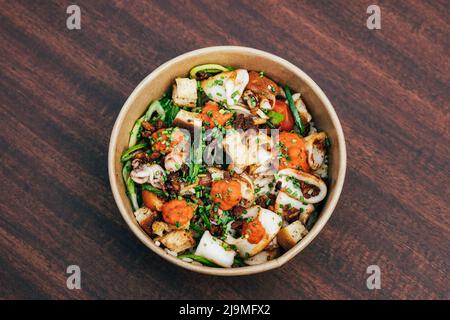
(208, 68)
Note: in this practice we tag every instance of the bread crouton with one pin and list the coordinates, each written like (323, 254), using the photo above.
(160, 227)
(184, 92)
(178, 241)
(145, 217)
(188, 120)
(290, 235)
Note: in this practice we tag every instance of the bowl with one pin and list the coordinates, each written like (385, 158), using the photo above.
(280, 70)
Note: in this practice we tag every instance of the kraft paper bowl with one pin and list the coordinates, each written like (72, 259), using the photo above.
(280, 70)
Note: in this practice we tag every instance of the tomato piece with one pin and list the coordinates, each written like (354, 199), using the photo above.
(292, 152)
(283, 108)
(253, 230)
(177, 212)
(227, 193)
(164, 140)
(212, 115)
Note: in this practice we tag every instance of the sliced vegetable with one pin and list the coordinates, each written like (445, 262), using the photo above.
(156, 191)
(128, 154)
(299, 127)
(135, 133)
(131, 187)
(275, 117)
(282, 107)
(207, 68)
(126, 170)
(202, 260)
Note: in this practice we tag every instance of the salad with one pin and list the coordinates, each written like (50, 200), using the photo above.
(227, 168)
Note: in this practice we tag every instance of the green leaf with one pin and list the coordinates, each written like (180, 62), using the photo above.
(170, 109)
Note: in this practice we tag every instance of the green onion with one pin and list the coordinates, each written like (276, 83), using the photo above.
(298, 121)
(205, 219)
(196, 228)
(270, 125)
(202, 260)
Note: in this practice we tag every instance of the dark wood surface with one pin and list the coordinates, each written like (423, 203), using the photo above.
(61, 91)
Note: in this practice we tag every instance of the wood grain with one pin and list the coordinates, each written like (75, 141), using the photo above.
(62, 89)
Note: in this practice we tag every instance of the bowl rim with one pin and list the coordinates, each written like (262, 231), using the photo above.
(247, 270)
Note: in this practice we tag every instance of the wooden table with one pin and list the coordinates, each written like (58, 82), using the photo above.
(62, 90)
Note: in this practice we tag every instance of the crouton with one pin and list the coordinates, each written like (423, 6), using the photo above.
(152, 201)
(160, 227)
(188, 120)
(290, 235)
(145, 217)
(178, 241)
(184, 92)
(263, 257)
